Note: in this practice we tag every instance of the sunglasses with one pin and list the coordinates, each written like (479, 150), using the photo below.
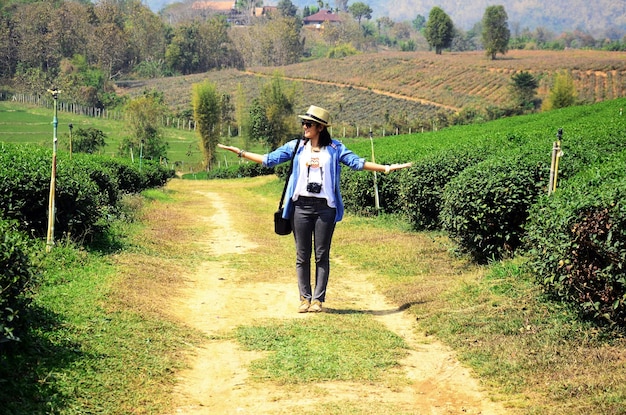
(308, 124)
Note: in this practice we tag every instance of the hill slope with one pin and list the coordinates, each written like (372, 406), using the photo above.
(368, 88)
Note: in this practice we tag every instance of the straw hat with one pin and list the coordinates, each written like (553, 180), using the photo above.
(318, 115)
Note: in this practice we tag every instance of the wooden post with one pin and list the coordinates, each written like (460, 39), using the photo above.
(51, 202)
(376, 198)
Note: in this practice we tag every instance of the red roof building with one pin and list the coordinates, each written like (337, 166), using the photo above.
(322, 16)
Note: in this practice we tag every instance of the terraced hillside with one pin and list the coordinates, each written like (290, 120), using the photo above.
(469, 78)
(368, 88)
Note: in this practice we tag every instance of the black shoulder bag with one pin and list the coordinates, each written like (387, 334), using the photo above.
(282, 226)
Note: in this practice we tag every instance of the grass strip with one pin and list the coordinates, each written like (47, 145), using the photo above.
(327, 347)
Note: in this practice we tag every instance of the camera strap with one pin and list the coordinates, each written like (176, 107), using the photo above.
(308, 172)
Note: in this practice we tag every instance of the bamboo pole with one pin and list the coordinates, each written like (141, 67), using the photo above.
(554, 164)
(376, 198)
(51, 203)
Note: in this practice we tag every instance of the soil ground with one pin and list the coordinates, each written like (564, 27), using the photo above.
(217, 297)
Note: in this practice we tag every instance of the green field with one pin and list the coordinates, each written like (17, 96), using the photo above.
(33, 125)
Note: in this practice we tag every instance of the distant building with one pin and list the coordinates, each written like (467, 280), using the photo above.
(228, 8)
(318, 19)
(267, 10)
(225, 7)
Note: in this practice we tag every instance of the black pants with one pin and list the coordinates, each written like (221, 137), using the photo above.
(313, 223)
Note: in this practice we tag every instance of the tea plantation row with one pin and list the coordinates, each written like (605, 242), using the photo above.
(486, 186)
(89, 191)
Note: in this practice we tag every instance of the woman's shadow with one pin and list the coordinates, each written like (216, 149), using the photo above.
(400, 309)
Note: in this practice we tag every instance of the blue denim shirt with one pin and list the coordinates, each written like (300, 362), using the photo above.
(339, 155)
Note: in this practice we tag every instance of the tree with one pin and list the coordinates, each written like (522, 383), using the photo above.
(8, 59)
(524, 87)
(145, 32)
(419, 22)
(287, 8)
(348, 32)
(384, 24)
(496, 33)
(181, 54)
(226, 113)
(275, 42)
(37, 46)
(258, 126)
(206, 110)
(242, 114)
(74, 28)
(81, 82)
(360, 10)
(88, 140)
(110, 42)
(563, 92)
(216, 50)
(277, 103)
(144, 115)
(439, 30)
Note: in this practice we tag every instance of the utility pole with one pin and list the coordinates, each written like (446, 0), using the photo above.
(53, 180)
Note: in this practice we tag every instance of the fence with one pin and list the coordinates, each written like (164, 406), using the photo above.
(73, 108)
(340, 131)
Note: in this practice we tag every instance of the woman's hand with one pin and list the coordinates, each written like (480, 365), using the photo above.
(257, 158)
(229, 148)
(399, 166)
(391, 167)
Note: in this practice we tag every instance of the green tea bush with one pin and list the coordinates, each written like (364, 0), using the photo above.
(16, 278)
(357, 191)
(80, 202)
(421, 190)
(105, 178)
(133, 177)
(129, 178)
(486, 206)
(87, 189)
(389, 187)
(154, 174)
(254, 169)
(576, 240)
(24, 186)
(229, 172)
(235, 171)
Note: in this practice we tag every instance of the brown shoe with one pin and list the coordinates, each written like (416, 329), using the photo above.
(316, 306)
(304, 306)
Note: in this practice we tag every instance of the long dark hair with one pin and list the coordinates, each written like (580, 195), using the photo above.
(325, 138)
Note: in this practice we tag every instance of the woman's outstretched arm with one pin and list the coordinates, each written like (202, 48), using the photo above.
(385, 168)
(257, 158)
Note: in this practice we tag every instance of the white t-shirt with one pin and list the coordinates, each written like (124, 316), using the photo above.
(315, 167)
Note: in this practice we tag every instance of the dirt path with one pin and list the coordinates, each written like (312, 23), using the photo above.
(216, 299)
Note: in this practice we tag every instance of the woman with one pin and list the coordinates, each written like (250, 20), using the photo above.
(313, 199)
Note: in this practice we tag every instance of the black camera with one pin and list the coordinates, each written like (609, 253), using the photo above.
(314, 187)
